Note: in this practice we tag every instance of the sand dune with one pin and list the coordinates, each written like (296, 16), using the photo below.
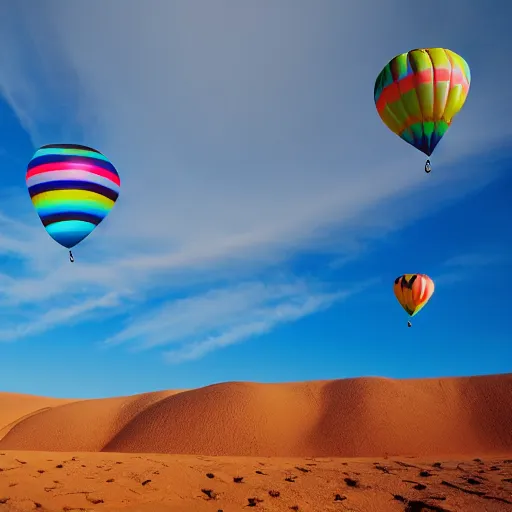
(84, 425)
(440, 445)
(15, 408)
(343, 418)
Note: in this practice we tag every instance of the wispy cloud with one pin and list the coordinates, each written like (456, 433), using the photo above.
(464, 266)
(53, 317)
(225, 316)
(243, 135)
(269, 318)
(472, 260)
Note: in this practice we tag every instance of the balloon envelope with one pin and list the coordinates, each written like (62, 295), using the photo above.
(413, 291)
(72, 188)
(418, 93)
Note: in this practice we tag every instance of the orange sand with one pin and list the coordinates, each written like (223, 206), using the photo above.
(235, 427)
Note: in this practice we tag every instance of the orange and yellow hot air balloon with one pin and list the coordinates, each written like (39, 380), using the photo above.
(418, 94)
(413, 291)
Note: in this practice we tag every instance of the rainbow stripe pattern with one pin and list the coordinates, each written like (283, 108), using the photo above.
(418, 94)
(413, 291)
(73, 188)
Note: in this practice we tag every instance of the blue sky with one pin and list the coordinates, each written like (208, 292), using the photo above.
(265, 209)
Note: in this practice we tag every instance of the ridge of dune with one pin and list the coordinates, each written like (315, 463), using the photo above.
(9, 426)
(346, 418)
(85, 425)
(15, 407)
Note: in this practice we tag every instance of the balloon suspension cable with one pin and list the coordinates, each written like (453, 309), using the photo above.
(409, 324)
(71, 258)
(428, 167)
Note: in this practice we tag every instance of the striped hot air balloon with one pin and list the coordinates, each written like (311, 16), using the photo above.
(73, 188)
(413, 291)
(418, 94)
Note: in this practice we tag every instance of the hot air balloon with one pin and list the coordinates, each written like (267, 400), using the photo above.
(418, 94)
(73, 188)
(413, 291)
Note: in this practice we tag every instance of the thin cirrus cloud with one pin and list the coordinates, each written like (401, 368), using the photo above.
(472, 260)
(216, 319)
(463, 266)
(267, 319)
(243, 133)
(57, 316)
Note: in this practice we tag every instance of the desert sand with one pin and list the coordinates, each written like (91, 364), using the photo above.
(368, 444)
